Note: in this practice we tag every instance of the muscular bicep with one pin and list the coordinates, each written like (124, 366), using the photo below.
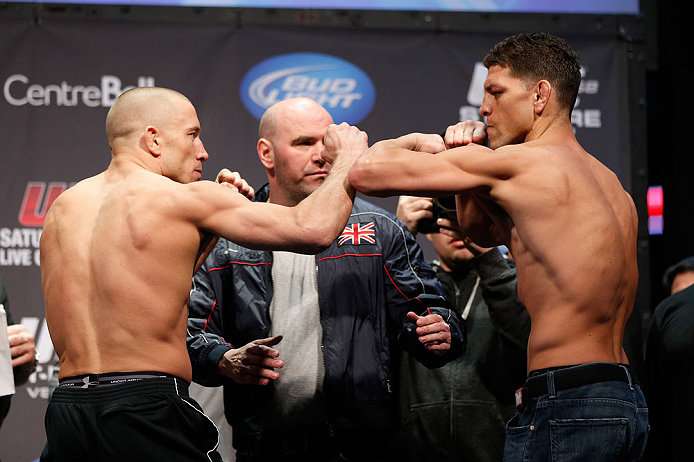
(388, 169)
(219, 210)
(476, 169)
(260, 225)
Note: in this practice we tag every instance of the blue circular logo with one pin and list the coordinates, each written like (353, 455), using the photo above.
(345, 91)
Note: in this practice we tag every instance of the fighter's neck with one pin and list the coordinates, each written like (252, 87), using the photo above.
(551, 128)
(124, 164)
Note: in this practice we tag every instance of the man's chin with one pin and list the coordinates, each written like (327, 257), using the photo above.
(494, 144)
(313, 182)
(464, 254)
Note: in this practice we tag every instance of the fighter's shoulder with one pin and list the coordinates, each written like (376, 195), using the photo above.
(177, 193)
(205, 187)
(77, 192)
(530, 158)
(71, 203)
(523, 151)
(148, 188)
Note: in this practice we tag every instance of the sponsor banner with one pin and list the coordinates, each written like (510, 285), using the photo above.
(340, 86)
(60, 77)
(18, 91)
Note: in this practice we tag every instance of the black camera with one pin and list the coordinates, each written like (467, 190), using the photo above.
(443, 208)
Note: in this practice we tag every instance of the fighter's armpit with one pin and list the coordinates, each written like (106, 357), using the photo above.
(207, 242)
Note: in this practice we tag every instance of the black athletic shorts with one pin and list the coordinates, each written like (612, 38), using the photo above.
(143, 419)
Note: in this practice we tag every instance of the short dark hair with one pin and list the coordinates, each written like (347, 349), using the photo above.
(682, 266)
(540, 56)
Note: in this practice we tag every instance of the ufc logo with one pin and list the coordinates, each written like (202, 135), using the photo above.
(37, 200)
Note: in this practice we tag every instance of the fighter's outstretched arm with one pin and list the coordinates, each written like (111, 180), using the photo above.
(390, 167)
(309, 227)
(407, 165)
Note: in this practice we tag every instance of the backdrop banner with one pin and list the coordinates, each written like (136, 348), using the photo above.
(60, 76)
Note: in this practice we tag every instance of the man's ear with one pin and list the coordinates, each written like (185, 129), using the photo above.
(543, 91)
(266, 153)
(152, 140)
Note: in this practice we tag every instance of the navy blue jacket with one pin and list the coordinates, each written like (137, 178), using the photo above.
(368, 279)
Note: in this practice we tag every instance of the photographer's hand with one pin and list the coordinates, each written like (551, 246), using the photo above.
(412, 210)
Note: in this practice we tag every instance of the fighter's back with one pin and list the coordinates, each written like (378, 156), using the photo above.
(574, 243)
(116, 268)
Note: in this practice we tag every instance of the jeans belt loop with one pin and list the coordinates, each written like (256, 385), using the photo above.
(626, 371)
(550, 385)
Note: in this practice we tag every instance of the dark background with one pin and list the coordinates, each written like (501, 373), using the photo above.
(658, 94)
(669, 163)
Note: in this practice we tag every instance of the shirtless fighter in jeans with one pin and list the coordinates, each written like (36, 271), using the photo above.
(571, 228)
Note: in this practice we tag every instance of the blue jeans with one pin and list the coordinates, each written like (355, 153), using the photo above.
(604, 421)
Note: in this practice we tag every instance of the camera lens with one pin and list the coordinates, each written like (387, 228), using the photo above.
(446, 203)
(427, 226)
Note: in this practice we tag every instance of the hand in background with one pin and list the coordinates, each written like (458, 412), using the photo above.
(433, 332)
(234, 181)
(22, 347)
(253, 363)
(411, 210)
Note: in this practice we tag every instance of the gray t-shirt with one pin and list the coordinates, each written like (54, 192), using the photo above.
(298, 400)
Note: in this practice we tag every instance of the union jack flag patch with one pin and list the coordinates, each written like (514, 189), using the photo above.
(356, 233)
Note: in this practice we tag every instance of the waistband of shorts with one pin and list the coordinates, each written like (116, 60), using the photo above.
(567, 377)
(105, 387)
(108, 378)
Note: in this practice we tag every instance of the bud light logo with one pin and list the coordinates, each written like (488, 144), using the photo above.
(345, 91)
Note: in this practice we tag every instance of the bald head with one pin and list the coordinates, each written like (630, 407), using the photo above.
(289, 111)
(290, 146)
(137, 108)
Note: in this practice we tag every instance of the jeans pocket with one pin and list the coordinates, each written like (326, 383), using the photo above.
(573, 440)
(518, 441)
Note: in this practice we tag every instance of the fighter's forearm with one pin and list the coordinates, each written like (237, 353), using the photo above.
(324, 213)
(394, 167)
(373, 173)
(420, 142)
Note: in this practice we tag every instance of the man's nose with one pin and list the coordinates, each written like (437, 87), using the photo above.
(203, 155)
(484, 108)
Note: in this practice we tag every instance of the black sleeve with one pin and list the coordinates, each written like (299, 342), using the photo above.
(204, 340)
(414, 287)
